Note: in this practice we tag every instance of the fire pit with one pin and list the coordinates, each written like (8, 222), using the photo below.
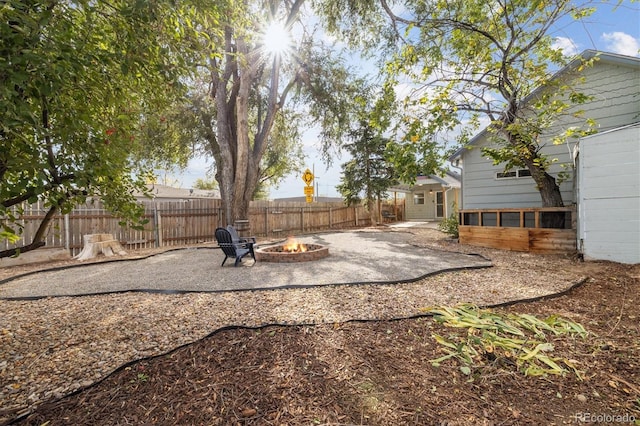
(292, 251)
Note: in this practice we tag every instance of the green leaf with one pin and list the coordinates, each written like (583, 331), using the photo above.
(534, 353)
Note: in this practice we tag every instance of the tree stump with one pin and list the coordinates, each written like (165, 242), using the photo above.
(95, 244)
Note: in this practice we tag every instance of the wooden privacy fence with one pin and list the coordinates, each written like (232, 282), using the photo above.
(537, 230)
(184, 222)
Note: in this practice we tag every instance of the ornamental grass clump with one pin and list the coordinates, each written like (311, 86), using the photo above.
(510, 341)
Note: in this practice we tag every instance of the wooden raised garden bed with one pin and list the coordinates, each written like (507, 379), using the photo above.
(537, 230)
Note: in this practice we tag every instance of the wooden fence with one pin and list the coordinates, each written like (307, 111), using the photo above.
(537, 230)
(185, 222)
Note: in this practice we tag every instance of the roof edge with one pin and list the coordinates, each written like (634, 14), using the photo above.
(587, 54)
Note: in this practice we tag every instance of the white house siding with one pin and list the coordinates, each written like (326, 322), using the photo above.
(427, 211)
(448, 183)
(609, 195)
(424, 211)
(481, 189)
(613, 81)
(452, 198)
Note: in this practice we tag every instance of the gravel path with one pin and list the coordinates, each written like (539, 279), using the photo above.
(355, 257)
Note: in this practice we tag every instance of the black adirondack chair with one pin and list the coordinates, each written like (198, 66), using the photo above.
(236, 250)
(238, 239)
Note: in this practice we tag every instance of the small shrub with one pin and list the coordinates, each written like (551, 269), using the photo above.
(450, 225)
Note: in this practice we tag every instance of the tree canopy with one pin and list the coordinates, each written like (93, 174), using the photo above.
(251, 81)
(75, 79)
(370, 171)
(472, 63)
(95, 95)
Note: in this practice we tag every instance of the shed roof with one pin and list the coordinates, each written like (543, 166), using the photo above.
(169, 192)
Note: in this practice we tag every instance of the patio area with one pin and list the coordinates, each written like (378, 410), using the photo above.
(356, 257)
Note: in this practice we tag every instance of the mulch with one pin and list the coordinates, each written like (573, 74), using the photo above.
(378, 373)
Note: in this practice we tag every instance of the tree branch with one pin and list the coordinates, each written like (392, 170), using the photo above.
(395, 18)
(32, 193)
(38, 238)
(22, 249)
(293, 13)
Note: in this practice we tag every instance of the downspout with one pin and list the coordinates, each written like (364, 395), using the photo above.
(580, 221)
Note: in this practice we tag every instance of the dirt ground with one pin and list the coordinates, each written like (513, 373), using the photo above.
(379, 373)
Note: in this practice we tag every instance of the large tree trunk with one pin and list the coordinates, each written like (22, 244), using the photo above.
(225, 163)
(546, 184)
(238, 156)
(244, 180)
(549, 190)
(551, 197)
(237, 148)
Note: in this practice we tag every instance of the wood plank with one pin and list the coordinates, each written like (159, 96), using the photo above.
(516, 239)
(188, 223)
(519, 239)
(552, 240)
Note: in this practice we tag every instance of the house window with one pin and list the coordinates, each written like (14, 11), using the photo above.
(418, 198)
(505, 175)
(513, 174)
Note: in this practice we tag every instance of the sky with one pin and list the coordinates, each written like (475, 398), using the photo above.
(611, 28)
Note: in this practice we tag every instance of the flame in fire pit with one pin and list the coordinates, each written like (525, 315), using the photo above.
(293, 246)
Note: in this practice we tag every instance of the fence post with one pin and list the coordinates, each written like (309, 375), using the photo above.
(302, 219)
(266, 221)
(330, 218)
(67, 232)
(355, 210)
(157, 223)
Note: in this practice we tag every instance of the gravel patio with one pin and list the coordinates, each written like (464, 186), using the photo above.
(356, 257)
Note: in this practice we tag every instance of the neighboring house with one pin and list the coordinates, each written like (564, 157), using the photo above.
(169, 193)
(318, 199)
(608, 195)
(614, 83)
(431, 197)
(607, 186)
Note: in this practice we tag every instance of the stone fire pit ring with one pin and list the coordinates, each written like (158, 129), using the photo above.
(277, 254)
